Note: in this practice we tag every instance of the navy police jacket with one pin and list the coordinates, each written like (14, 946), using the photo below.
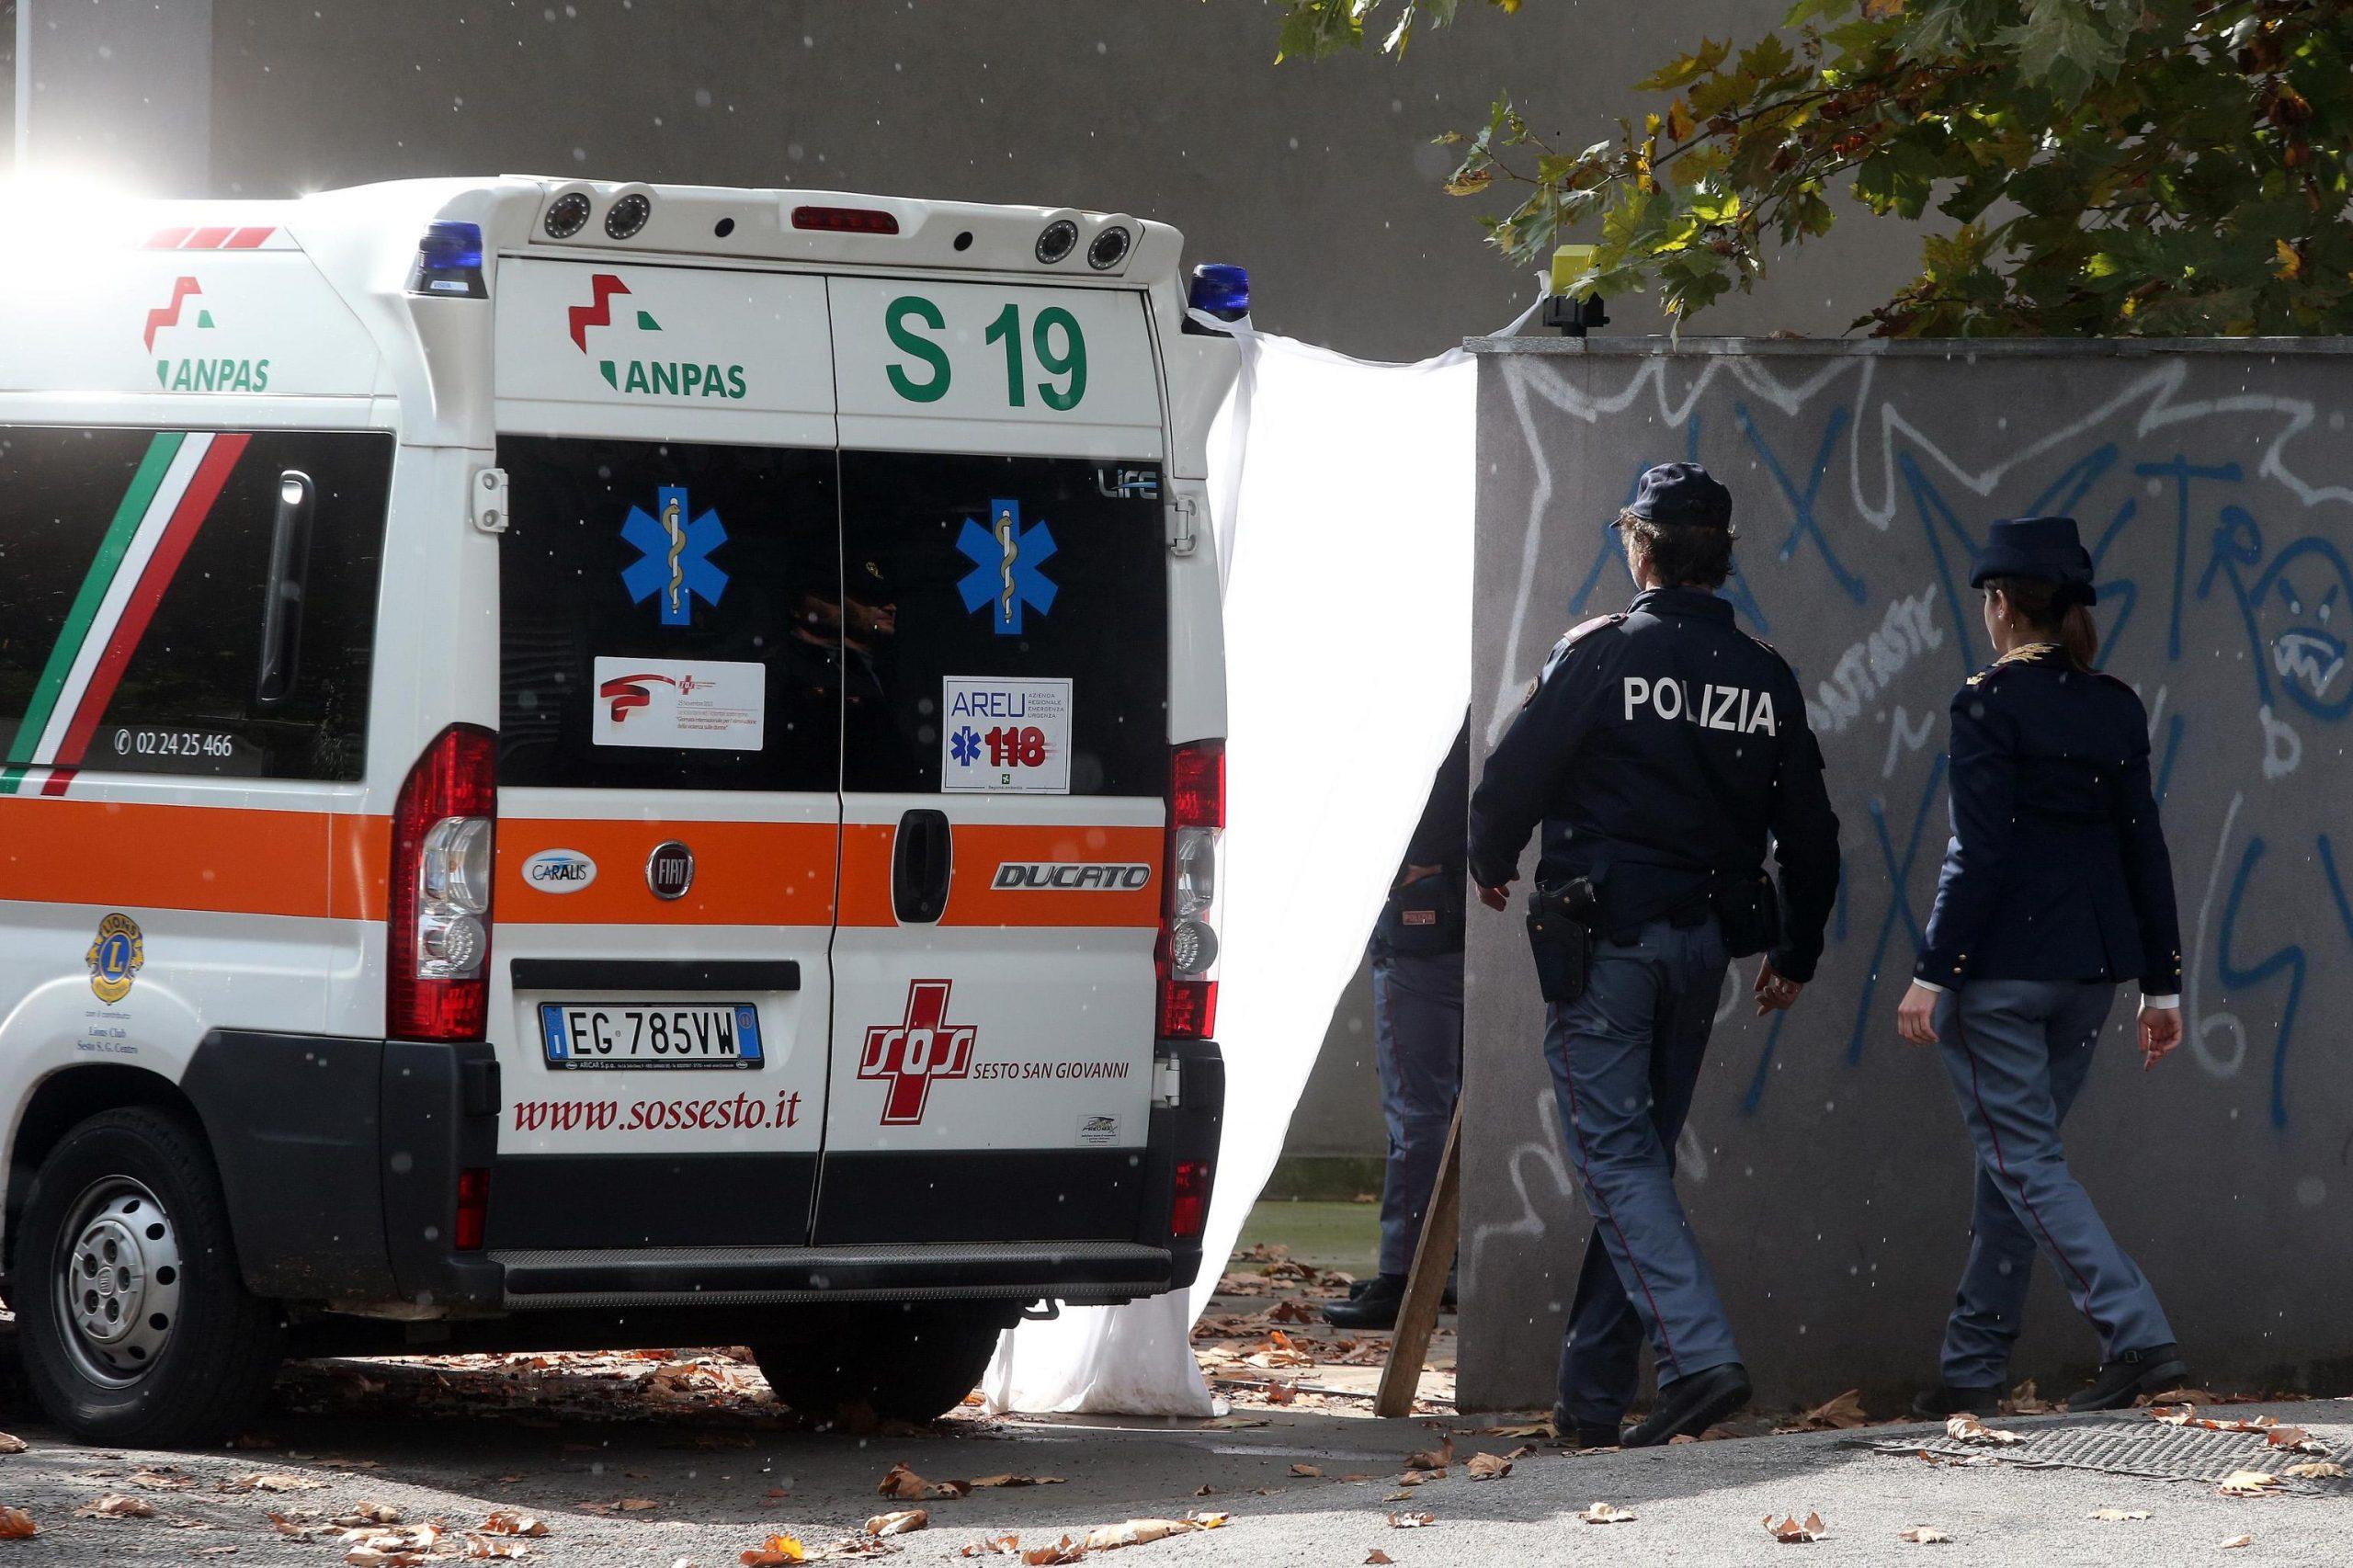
(2057, 869)
(1661, 749)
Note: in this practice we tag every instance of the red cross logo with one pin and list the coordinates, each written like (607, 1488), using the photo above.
(915, 1052)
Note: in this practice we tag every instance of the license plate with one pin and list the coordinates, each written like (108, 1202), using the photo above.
(621, 1034)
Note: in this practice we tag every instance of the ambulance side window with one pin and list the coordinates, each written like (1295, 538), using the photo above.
(136, 581)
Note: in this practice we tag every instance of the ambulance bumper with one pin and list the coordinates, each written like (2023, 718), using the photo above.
(908, 1271)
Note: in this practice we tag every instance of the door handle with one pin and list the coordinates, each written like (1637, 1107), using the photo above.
(921, 860)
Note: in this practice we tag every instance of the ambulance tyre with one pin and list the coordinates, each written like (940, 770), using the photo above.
(907, 1363)
(133, 1322)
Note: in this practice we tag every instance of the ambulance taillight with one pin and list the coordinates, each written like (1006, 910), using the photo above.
(1188, 1209)
(442, 831)
(1188, 946)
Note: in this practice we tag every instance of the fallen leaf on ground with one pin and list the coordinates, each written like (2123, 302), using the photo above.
(162, 1477)
(1433, 1459)
(1137, 1532)
(1064, 1551)
(268, 1483)
(365, 1514)
(988, 1480)
(1280, 1351)
(1836, 1414)
(505, 1521)
(499, 1548)
(993, 1546)
(16, 1525)
(2238, 1540)
(1487, 1466)
(1396, 1496)
(2249, 1483)
(1420, 1477)
(1966, 1428)
(909, 1487)
(1279, 1392)
(1411, 1521)
(116, 1505)
(1377, 1556)
(1793, 1530)
(12, 1444)
(1921, 1535)
(2295, 1440)
(2116, 1516)
(777, 1551)
(2319, 1469)
(897, 1522)
(1605, 1514)
(1308, 1469)
(2026, 1400)
(1530, 1429)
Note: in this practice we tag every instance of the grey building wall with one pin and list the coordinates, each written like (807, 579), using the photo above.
(1825, 1167)
(1320, 178)
(114, 89)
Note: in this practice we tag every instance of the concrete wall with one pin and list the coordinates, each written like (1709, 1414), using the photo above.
(117, 90)
(1825, 1167)
(1321, 179)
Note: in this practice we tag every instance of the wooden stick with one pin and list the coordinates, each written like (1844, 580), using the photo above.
(1426, 1283)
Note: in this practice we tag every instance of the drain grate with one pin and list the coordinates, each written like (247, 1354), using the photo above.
(2147, 1448)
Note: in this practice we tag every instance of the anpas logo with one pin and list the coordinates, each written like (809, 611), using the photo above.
(651, 377)
(628, 693)
(1069, 877)
(913, 1052)
(199, 373)
(1006, 559)
(674, 556)
(559, 870)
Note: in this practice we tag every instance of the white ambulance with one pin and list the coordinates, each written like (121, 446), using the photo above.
(599, 764)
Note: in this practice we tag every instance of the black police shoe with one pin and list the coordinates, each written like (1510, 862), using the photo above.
(1575, 1434)
(1955, 1399)
(1691, 1406)
(2130, 1375)
(1375, 1307)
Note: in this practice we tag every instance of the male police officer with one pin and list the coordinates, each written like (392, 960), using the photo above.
(1659, 749)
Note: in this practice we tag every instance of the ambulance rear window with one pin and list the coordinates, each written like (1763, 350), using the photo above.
(187, 601)
(669, 614)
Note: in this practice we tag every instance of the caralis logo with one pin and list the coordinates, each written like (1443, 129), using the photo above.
(197, 373)
(647, 378)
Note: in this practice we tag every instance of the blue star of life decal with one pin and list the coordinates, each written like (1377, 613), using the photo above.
(1005, 560)
(674, 562)
(965, 745)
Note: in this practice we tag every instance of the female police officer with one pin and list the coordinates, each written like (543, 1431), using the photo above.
(2056, 885)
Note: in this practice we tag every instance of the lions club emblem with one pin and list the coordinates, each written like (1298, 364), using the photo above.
(116, 957)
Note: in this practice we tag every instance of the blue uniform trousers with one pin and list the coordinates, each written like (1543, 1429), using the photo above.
(1625, 1059)
(1417, 1042)
(2017, 1051)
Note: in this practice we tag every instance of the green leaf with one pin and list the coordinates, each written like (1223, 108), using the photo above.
(1685, 69)
(1768, 56)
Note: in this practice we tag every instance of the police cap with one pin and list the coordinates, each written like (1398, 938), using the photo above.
(2042, 550)
(1681, 493)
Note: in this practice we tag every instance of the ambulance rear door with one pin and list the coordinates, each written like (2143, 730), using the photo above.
(1005, 760)
(668, 753)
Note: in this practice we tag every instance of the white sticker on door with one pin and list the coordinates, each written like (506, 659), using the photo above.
(697, 703)
(1005, 736)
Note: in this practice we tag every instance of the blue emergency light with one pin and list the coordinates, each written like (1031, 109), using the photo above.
(448, 262)
(1221, 290)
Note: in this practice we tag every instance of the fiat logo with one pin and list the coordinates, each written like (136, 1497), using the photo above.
(670, 870)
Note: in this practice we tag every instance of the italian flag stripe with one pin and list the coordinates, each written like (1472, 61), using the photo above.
(127, 514)
(129, 627)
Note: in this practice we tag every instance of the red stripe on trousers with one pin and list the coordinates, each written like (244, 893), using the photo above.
(1994, 1136)
(196, 502)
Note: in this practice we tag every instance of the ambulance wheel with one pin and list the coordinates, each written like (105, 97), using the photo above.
(904, 1363)
(133, 1322)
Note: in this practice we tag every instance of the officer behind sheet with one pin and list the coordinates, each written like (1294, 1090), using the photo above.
(2056, 885)
(1660, 749)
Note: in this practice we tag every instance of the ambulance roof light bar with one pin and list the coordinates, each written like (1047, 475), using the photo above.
(449, 263)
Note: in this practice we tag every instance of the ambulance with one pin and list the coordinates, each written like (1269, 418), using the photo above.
(596, 764)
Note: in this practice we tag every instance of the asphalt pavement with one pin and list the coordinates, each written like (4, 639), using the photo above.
(689, 1461)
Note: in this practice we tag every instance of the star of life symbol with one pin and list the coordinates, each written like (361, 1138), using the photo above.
(965, 745)
(917, 1051)
(674, 560)
(1005, 560)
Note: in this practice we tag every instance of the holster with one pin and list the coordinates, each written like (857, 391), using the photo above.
(1747, 913)
(1560, 934)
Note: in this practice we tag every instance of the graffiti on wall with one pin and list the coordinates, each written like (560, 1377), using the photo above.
(1864, 488)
